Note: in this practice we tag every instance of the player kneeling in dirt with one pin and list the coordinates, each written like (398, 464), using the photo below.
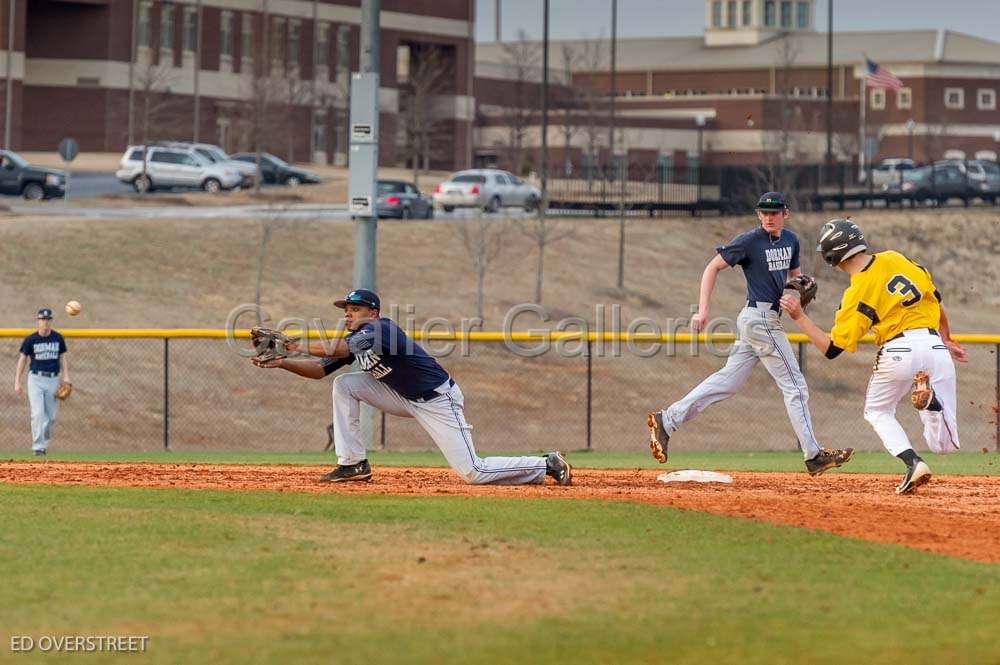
(401, 379)
(896, 299)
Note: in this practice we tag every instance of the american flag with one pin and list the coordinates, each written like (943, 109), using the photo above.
(880, 77)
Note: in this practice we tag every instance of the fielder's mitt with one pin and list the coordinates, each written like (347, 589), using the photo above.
(270, 344)
(806, 286)
(64, 390)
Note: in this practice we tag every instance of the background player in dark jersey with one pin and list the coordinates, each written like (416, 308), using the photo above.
(768, 255)
(401, 379)
(44, 354)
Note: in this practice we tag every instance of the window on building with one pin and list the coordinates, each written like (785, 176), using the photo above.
(226, 34)
(294, 42)
(731, 14)
(278, 40)
(190, 29)
(904, 98)
(769, 13)
(986, 99)
(717, 14)
(167, 28)
(665, 167)
(878, 99)
(747, 12)
(144, 32)
(323, 45)
(802, 16)
(954, 98)
(246, 37)
(403, 63)
(319, 132)
(786, 14)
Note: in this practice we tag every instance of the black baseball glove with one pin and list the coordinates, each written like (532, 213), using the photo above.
(805, 285)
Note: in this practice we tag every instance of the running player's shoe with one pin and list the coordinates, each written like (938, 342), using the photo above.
(827, 459)
(922, 397)
(658, 437)
(344, 472)
(916, 475)
(557, 467)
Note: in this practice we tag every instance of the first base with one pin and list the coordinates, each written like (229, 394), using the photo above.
(694, 476)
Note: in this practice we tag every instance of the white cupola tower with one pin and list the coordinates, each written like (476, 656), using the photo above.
(748, 22)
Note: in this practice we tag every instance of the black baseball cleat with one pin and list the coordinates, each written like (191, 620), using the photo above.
(827, 459)
(557, 467)
(658, 437)
(344, 472)
(917, 474)
(922, 396)
(40, 453)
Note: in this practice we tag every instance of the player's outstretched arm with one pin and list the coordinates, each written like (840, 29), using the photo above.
(336, 348)
(954, 348)
(717, 264)
(310, 369)
(790, 303)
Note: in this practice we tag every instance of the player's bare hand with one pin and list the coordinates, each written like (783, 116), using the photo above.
(790, 303)
(699, 321)
(18, 390)
(267, 364)
(957, 351)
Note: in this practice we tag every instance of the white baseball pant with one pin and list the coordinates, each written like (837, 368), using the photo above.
(443, 418)
(760, 337)
(44, 408)
(898, 360)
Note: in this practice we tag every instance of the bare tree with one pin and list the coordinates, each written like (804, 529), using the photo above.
(521, 57)
(483, 240)
(568, 103)
(592, 103)
(158, 109)
(429, 76)
(543, 232)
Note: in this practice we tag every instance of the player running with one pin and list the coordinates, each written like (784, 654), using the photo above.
(896, 299)
(769, 255)
(401, 379)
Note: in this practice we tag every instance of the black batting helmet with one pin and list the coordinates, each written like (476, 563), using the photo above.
(840, 239)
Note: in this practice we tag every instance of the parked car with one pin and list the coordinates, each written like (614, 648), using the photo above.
(489, 189)
(888, 171)
(276, 171)
(32, 182)
(397, 198)
(991, 171)
(938, 183)
(168, 167)
(217, 155)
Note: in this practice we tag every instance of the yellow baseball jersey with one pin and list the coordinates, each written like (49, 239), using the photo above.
(890, 295)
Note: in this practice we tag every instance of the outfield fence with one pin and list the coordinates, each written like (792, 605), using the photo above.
(190, 390)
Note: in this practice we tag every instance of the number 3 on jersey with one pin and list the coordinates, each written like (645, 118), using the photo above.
(902, 286)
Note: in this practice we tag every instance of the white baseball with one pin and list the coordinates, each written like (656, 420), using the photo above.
(73, 308)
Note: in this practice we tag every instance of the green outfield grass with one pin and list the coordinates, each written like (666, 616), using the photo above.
(987, 464)
(256, 577)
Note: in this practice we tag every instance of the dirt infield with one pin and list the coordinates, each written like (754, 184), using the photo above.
(957, 515)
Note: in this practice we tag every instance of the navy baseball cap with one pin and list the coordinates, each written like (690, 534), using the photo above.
(360, 297)
(45, 313)
(772, 201)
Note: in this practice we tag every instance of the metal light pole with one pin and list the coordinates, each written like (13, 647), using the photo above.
(700, 121)
(545, 109)
(196, 134)
(910, 126)
(611, 106)
(10, 76)
(366, 226)
(829, 84)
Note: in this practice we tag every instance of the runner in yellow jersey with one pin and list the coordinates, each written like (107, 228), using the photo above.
(895, 298)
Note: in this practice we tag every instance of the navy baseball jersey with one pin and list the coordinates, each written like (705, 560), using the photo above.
(44, 351)
(765, 260)
(384, 351)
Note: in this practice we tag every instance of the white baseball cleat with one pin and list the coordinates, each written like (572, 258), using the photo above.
(916, 475)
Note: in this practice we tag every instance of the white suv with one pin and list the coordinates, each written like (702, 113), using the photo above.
(217, 155)
(489, 189)
(174, 167)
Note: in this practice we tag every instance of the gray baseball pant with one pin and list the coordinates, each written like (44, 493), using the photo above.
(443, 418)
(44, 408)
(760, 337)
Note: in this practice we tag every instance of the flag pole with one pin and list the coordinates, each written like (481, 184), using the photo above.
(862, 154)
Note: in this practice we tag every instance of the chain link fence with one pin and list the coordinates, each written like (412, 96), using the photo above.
(193, 393)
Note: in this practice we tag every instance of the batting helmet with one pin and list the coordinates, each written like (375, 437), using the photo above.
(839, 240)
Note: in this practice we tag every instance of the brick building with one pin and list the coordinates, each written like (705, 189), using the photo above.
(757, 80)
(77, 67)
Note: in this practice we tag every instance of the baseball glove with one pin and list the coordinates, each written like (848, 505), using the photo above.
(805, 285)
(270, 344)
(64, 390)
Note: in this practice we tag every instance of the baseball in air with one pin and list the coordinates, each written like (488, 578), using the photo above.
(73, 308)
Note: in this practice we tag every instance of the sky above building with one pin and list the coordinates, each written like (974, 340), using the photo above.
(571, 19)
